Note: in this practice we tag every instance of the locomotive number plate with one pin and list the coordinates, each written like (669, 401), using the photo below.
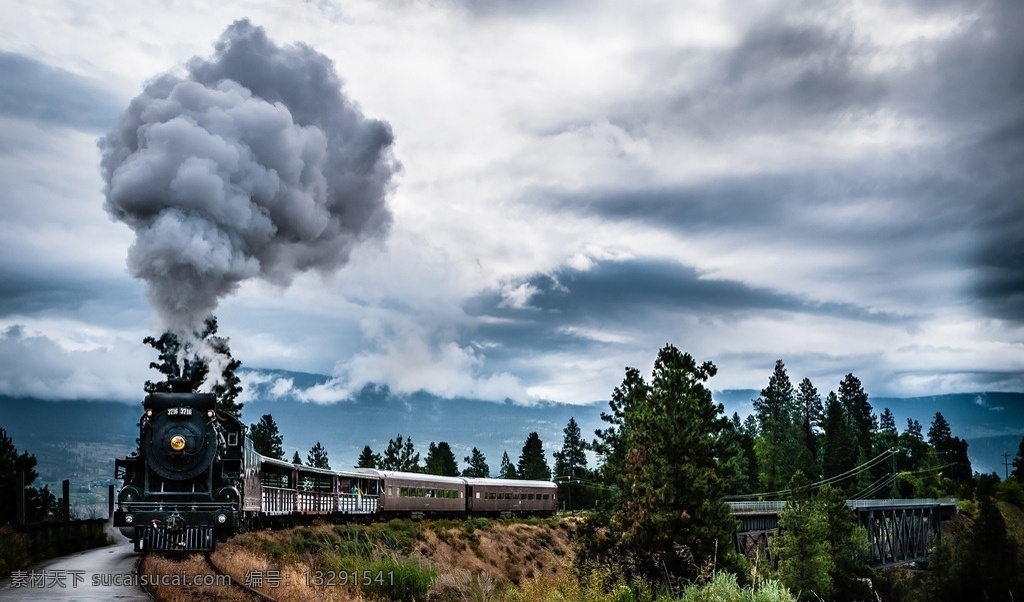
(179, 411)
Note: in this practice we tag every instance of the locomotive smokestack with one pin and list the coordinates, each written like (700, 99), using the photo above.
(253, 165)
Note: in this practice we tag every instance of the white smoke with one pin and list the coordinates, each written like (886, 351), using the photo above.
(253, 165)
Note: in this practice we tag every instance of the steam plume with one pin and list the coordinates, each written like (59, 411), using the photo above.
(253, 165)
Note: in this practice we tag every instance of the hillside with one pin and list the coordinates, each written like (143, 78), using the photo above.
(432, 560)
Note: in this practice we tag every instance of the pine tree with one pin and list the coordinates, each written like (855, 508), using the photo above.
(401, 455)
(11, 464)
(940, 436)
(782, 450)
(317, 457)
(368, 459)
(296, 459)
(859, 414)
(805, 558)
(532, 463)
(571, 465)
(186, 368)
(507, 469)
(266, 439)
(441, 461)
(608, 444)
(1018, 463)
(671, 517)
(840, 449)
(812, 418)
(739, 464)
(476, 465)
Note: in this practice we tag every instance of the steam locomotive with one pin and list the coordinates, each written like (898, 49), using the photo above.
(197, 480)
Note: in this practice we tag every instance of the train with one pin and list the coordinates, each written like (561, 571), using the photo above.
(196, 480)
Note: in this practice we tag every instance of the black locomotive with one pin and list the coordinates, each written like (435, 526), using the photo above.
(180, 491)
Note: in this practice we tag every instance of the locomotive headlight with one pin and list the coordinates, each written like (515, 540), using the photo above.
(209, 414)
(177, 443)
(128, 518)
(222, 519)
(149, 413)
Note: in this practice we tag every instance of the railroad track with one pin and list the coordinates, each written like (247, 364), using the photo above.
(196, 577)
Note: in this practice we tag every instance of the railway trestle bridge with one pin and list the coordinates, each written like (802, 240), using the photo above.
(899, 531)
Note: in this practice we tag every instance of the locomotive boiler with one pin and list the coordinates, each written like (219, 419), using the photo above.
(180, 492)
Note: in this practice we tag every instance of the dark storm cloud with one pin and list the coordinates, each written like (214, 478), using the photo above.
(978, 88)
(256, 165)
(42, 291)
(36, 91)
(625, 292)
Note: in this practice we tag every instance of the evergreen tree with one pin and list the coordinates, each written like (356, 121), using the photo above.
(532, 463)
(266, 439)
(401, 455)
(186, 368)
(812, 418)
(441, 461)
(608, 443)
(781, 449)
(805, 558)
(914, 429)
(739, 464)
(670, 518)
(940, 436)
(507, 469)
(859, 414)
(1018, 463)
(476, 465)
(368, 459)
(317, 457)
(296, 459)
(840, 450)
(11, 464)
(887, 423)
(571, 465)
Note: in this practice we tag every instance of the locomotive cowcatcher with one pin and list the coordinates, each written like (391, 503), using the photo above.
(179, 492)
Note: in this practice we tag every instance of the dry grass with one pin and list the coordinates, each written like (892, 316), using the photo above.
(178, 574)
(479, 560)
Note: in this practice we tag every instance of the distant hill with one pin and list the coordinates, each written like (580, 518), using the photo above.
(79, 439)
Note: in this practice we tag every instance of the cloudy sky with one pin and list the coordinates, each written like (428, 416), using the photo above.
(838, 185)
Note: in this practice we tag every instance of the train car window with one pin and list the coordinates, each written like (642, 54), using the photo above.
(391, 491)
(232, 439)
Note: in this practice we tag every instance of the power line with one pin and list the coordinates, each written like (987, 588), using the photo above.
(834, 479)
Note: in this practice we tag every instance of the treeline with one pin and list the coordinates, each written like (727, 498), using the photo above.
(842, 441)
(570, 462)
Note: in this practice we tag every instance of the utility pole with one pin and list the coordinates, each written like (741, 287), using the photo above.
(1006, 465)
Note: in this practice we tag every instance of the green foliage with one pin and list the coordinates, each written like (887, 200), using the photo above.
(840, 446)
(1011, 492)
(317, 457)
(571, 467)
(739, 464)
(266, 438)
(296, 459)
(401, 455)
(368, 459)
(533, 465)
(782, 449)
(40, 504)
(441, 460)
(663, 450)
(820, 547)
(186, 364)
(1018, 463)
(976, 561)
(476, 465)
(507, 469)
(724, 588)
